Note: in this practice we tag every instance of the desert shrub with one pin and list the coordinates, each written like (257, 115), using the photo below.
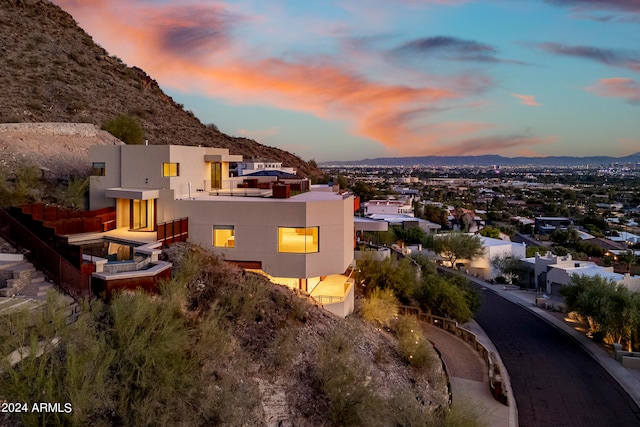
(27, 184)
(463, 414)
(137, 359)
(413, 346)
(125, 128)
(282, 350)
(380, 308)
(343, 380)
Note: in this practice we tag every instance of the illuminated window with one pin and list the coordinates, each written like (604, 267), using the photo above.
(171, 169)
(298, 240)
(98, 169)
(224, 236)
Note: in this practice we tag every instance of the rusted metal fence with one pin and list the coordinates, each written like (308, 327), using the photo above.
(65, 221)
(69, 278)
(173, 231)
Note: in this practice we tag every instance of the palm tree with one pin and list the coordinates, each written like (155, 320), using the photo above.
(628, 259)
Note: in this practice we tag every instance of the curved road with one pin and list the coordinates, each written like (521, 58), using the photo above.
(554, 381)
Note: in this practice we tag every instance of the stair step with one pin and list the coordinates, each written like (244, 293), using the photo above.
(8, 265)
(38, 277)
(23, 265)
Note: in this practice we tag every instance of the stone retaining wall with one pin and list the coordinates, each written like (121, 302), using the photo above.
(63, 129)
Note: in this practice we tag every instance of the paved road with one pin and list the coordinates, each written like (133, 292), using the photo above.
(555, 382)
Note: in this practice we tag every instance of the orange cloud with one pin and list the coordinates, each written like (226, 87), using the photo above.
(192, 48)
(618, 87)
(529, 100)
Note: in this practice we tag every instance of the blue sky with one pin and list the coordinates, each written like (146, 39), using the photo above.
(351, 79)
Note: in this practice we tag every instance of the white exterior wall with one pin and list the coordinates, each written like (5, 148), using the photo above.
(256, 225)
(388, 209)
(142, 166)
(110, 156)
(483, 263)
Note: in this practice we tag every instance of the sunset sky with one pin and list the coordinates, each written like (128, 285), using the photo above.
(353, 79)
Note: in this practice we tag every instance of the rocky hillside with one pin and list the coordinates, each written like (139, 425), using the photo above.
(52, 71)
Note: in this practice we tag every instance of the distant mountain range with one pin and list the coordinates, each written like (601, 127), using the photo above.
(489, 160)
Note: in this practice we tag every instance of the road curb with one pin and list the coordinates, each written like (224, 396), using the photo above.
(628, 383)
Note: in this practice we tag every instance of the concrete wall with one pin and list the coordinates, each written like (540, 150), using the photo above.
(110, 155)
(482, 265)
(256, 223)
(345, 307)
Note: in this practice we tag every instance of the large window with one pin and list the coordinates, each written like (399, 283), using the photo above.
(98, 169)
(298, 240)
(224, 236)
(171, 169)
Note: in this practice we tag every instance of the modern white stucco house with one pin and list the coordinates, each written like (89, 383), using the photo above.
(494, 248)
(553, 272)
(388, 207)
(250, 166)
(304, 241)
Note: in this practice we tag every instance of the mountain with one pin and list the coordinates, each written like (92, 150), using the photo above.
(488, 160)
(52, 71)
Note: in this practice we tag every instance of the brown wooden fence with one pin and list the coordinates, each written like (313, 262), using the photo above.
(173, 231)
(69, 278)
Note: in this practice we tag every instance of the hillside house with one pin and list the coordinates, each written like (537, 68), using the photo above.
(303, 241)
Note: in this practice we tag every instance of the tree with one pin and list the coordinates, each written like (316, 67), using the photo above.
(74, 196)
(409, 236)
(454, 246)
(607, 306)
(125, 128)
(628, 259)
(342, 181)
(435, 214)
(400, 276)
(565, 237)
(508, 266)
(489, 231)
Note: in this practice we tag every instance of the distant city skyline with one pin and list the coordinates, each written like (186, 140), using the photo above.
(354, 79)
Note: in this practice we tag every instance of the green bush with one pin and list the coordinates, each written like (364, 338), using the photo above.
(380, 308)
(125, 128)
(343, 381)
(413, 346)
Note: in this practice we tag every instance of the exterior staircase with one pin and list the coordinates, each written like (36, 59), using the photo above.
(21, 278)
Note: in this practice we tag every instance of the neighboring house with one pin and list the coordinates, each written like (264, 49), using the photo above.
(626, 237)
(304, 241)
(407, 221)
(493, 248)
(481, 266)
(388, 207)
(548, 224)
(553, 272)
(251, 166)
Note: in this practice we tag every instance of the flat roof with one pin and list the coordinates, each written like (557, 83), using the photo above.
(309, 196)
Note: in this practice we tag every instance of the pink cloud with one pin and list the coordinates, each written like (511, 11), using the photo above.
(171, 43)
(529, 100)
(618, 87)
